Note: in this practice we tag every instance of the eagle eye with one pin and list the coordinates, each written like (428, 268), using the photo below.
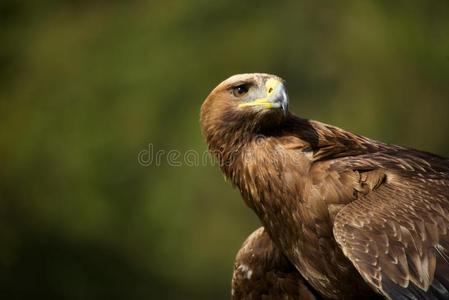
(240, 90)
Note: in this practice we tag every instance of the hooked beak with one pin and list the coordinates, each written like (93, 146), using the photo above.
(276, 96)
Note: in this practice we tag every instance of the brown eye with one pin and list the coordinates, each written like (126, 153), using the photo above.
(240, 90)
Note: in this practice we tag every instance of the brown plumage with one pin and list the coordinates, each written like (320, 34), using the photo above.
(261, 271)
(358, 218)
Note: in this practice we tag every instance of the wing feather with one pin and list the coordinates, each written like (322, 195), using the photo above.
(397, 237)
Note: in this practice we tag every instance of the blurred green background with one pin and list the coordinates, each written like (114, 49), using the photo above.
(87, 85)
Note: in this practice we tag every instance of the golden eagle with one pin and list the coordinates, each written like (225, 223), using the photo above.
(344, 216)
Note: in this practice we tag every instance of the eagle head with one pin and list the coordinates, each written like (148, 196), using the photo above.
(244, 104)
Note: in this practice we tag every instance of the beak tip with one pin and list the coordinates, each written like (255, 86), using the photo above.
(284, 101)
(284, 107)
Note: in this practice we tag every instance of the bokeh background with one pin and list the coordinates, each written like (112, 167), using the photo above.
(87, 85)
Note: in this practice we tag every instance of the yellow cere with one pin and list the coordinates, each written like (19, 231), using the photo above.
(270, 86)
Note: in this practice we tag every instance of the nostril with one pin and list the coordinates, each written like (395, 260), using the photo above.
(270, 90)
